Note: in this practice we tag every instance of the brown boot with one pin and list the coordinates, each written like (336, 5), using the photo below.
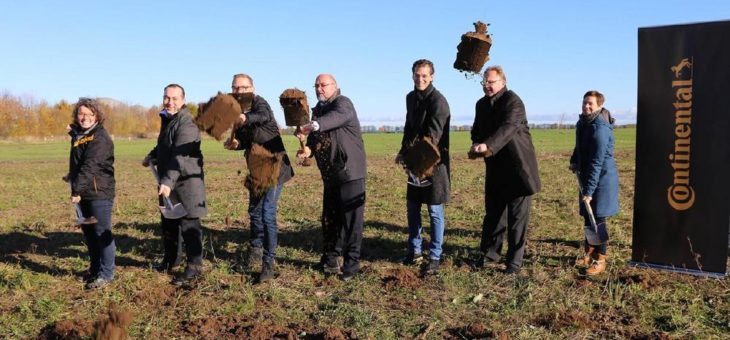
(585, 261)
(598, 266)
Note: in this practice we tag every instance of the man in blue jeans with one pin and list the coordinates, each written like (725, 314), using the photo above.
(258, 134)
(427, 117)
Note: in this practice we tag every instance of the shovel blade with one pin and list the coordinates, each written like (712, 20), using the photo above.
(177, 211)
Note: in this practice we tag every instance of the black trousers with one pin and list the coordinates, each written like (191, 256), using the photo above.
(511, 215)
(343, 208)
(179, 231)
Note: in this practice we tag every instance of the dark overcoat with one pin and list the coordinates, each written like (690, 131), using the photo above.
(180, 162)
(500, 122)
(593, 157)
(338, 124)
(427, 114)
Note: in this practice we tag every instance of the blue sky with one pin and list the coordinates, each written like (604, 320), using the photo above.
(552, 51)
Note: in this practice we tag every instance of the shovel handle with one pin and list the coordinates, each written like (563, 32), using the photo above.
(586, 205)
(168, 203)
(153, 168)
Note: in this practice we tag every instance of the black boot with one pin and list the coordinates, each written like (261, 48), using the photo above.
(192, 271)
(267, 272)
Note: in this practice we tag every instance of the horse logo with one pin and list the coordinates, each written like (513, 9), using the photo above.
(682, 64)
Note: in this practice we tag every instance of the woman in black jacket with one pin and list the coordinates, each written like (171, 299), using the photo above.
(91, 177)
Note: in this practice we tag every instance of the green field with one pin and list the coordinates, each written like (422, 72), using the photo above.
(42, 253)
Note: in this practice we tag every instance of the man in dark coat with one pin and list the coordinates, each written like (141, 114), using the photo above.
(336, 143)
(500, 134)
(427, 116)
(258, 126)
(180, 170)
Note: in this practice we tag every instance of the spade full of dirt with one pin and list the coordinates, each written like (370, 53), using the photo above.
(473, 51)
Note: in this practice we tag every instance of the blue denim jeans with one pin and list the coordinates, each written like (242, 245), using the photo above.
(262, 211)
(99, 238)
(436, 214)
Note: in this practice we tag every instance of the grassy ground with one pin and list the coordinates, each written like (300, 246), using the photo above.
(42, 253)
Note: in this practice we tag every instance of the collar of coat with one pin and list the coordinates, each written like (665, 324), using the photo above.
(76, 130)
(180, 113)
(421, 95)
(497, 95)
(330, 100)
(589, 118)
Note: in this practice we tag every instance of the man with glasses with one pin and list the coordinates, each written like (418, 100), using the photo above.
(427, 117)
(336, 143)
(501, 136)
(258, 127)
(179, 168)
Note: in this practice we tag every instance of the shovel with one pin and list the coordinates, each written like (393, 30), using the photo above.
(169, 211)
(80, 219)
(589, 210)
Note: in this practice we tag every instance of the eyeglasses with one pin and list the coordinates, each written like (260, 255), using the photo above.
(316, 86)
(489, 82)
(236, 88)
(86, 115)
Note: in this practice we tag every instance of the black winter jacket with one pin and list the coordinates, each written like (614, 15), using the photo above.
(261, 128)
(91, 163)
(501, 123)
(428, 115)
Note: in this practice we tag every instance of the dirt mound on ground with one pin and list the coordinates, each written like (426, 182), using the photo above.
(400, 278)
(472, 331)
(111, 326)
(244, 328)
(67, 329)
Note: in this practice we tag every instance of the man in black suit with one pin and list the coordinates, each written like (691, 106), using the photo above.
(335, 141)
(501, 136)
(427, 116)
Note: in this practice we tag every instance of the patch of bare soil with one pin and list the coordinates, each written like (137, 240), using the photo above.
(67, 329)
(399, 277)
(244, 328)
(643, 279)
(573, 319)
(472, 331)
(155, 295)
(111, 326)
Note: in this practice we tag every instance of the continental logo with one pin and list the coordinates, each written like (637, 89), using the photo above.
(84, 140)
(680, 194)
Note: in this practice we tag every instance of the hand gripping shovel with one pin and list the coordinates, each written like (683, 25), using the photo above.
(169, 211)
(80, 219)
(589, 210)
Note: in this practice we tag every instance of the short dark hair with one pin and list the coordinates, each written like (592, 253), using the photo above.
(422, 62)
(90, 104)
(176, 85)
(600, 99)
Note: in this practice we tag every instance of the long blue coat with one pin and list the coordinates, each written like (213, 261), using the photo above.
(593, 156)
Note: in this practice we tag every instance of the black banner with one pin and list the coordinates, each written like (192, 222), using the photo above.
(682, 197)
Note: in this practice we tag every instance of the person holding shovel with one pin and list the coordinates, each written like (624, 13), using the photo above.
(91, 178)
(595, 166)
(179, 167)
(335, 141)
(258, 134)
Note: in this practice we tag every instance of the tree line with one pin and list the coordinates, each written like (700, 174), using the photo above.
(24, 117)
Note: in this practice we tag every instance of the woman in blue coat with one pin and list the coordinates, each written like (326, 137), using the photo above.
(595, 166)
